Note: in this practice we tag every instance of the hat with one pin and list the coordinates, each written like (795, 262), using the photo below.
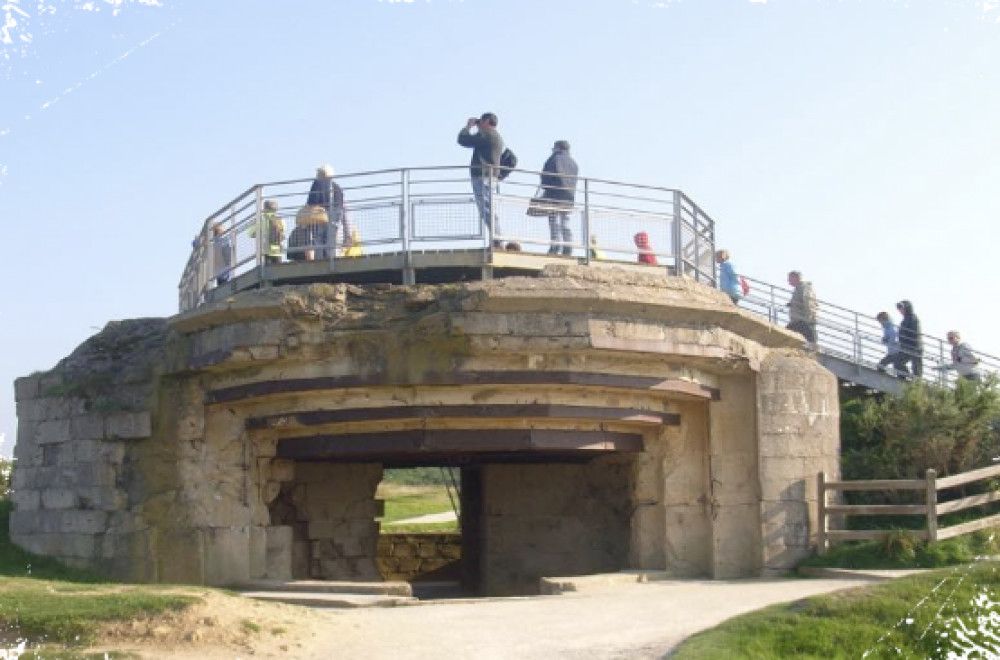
(560, 145)
(271, 205)
(325, 170)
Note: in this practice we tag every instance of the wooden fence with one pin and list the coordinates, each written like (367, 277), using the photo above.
(930, 485)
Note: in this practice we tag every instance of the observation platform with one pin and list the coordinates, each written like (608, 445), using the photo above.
(421, 226)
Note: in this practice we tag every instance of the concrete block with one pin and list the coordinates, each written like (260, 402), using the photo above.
(26, 387)
(87, 427)
(129, 426)
(82, 522)
(49, 431)
(227, 555)
(102, 498)
(26, 500)
(270, 492)
(23, 477)
(55, 498)
(258, 552)
(279, 552)
(282, 470)
(28, 454)
(179, 556)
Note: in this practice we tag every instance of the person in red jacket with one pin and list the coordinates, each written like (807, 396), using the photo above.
(646, 255)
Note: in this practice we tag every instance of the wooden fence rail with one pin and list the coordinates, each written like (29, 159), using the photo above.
(931, 486)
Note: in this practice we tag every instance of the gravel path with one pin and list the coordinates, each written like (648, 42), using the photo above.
(623, 621)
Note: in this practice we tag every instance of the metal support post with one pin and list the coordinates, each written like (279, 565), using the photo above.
(405, 222)
(678, 249)
(585, 222)
(262, 232)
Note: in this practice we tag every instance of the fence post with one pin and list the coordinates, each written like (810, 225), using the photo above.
(932, 506)
(821, 515)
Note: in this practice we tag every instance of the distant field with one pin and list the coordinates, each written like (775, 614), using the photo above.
(404, 501)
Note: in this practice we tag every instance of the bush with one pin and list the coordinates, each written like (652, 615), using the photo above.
(6, 466)
(927, 427)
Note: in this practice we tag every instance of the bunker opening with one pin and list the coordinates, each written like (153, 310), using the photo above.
(512, 511)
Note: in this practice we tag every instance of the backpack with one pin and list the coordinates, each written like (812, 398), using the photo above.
(508, 161)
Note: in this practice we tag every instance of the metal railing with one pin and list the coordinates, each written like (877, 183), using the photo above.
(853, 337)
(409, 210)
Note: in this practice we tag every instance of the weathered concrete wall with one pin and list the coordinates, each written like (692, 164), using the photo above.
(548, 520)
(799, 438)
(154, 452)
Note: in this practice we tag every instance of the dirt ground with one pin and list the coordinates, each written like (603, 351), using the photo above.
(620, 621)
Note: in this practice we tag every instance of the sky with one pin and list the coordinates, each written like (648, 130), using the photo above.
(855, 140)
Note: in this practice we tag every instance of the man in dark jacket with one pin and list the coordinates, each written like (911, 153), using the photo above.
(325, 192)
(911, 342)
(486, 145)
(559, 185)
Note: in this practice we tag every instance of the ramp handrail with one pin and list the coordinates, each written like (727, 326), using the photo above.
(855, 337)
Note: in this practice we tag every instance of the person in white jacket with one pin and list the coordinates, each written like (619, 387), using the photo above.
(963, 360)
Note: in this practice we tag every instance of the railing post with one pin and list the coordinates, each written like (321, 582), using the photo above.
(585, 222)
(405, 216)
(821, 514)
(493, 205)
(678, 250)
(932, 506)
(261, 235)
(858, 344)
(942, 374)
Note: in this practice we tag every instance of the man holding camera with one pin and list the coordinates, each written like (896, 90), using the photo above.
(486, 145)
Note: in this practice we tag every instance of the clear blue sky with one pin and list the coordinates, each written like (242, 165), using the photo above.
(857, 141)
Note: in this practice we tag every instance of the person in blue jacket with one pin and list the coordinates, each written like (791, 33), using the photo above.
(729, 282)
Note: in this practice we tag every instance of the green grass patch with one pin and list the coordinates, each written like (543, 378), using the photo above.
(924, 616)
(15, 562)
(402, 502)
(901, 550)
(46, 602)
(35, 610)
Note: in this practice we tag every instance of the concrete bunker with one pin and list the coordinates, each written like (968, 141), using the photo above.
(603, 420)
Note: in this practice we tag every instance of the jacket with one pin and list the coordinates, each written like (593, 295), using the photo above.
(802, 306)
(890, 337)
(910, 339)
(329, 195)
(559, 176)
(486, 145)
(963, 360)
(728, 281)
(273, 233)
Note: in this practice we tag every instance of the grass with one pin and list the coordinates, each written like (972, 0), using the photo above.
(44, 602)
(402, 502)
(902, 551)
(924, 616)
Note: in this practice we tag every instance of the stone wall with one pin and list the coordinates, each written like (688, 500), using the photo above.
(409, 557)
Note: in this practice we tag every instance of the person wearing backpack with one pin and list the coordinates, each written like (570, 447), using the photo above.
(273, 228)
(487, 148)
